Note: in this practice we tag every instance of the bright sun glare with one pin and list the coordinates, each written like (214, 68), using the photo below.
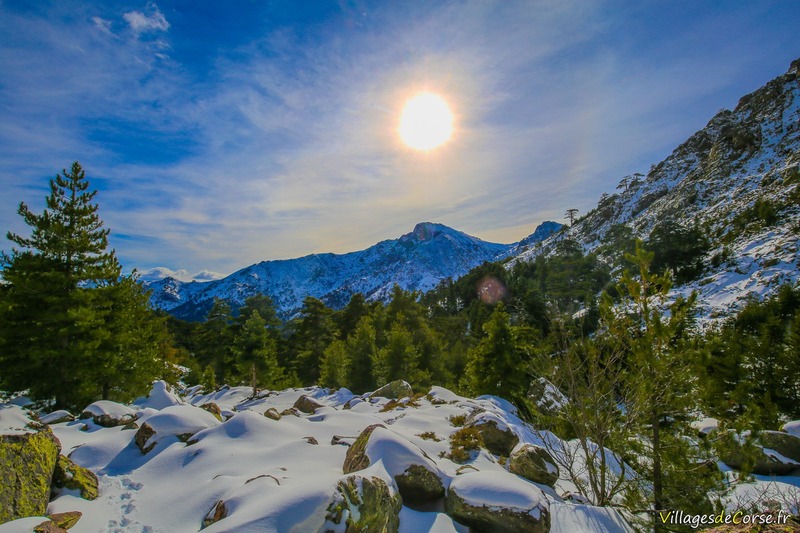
(426, 122)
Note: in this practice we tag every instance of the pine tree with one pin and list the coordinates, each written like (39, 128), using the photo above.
(72, 328)
(314, 331)
(361, 349)
(334, 368)
(659, 390)
(500, 362)
(216, 337)
(255, 354)
(399, 358)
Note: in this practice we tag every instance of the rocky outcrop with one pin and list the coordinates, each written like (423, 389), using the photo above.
(497, 437)
(394, 390)
(214, 409)
(497, 502)
(771, 453)
(534, 463)
(417, 477)
(57, 417)
(356, 458)
(27, 459)
(361, 504)
(272, 413)
(75, 477)
(108, 414)
(59, 522)
(180, 421)
(306, 405)
(217, 513)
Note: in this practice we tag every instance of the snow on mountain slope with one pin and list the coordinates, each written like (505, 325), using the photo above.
(743, 161)
(416, 261)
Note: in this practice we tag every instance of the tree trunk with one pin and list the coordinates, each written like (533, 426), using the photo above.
(658, 483)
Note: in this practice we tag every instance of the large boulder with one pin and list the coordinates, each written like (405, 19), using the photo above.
(418, 479)
(356, 458)
(534, 463)
(770, 453)
(59, 522)
(57, 417)
(394, 390)
(109, 414)
(497, 437)
(362, 504)
(306, 405)
(785, 444)
(74, 477)
(28, 455)
(181, 421)
(497, 502)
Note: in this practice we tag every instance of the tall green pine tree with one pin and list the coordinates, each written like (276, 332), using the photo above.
(68, 325)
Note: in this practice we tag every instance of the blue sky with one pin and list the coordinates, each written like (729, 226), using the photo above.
(220, 134)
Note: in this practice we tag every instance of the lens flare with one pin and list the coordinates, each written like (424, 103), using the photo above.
(491, 290)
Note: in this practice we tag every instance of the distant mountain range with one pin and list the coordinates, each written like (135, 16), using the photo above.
(416, 261)
(738, 179)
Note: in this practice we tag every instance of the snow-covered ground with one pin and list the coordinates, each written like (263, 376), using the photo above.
(280, 475)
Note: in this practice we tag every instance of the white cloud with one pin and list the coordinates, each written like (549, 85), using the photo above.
(103, 25)
(141, 22)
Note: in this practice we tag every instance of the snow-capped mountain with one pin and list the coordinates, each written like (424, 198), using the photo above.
(738, 179)
(416, 261)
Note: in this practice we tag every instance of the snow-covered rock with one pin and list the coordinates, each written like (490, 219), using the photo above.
(490, 501)
(160, 396)
(180, 421)
(109, 414)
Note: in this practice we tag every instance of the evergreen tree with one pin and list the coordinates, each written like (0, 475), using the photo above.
(399, 358)
(659, 391)
(135, 344)
(361, 350)
(334, 368)
(71, 327)
(313, 332)
(255, 354)
(500, 363)
(215, 339)
(347, 319)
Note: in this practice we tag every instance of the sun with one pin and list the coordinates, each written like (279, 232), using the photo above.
(426, 122)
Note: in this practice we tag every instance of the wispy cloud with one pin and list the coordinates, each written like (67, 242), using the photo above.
(284, 142)
(152, 20)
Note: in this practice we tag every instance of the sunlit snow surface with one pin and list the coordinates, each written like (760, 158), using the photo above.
(270, 474)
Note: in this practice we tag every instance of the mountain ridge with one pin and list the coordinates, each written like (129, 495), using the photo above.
(737, 180)
(416, 261)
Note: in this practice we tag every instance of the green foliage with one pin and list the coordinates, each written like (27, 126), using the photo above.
(754, 362)
(71, 327)
(312, 332)
(457, 420)
(255, 354)
(399, 358)
(463, 442)
(215, 337)
(763, 213)
(361, 352)
(679, 249)
(659, 392)
(501, 362)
